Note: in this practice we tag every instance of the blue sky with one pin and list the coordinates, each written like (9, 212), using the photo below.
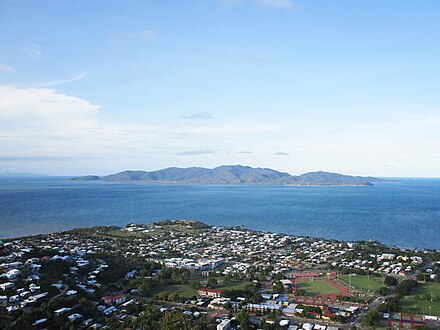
(103, 86)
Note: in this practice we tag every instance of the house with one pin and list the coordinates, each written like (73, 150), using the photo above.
(87, 322)
(38, 322)
(284, 323)
(61, 311)
(224, 325)
(131, 274)
(3, 300)
(7, 286)
(109, 310)
(33, 287)
(286, 283)
(128, 303)
(12, 274)
(74, 317)
(114, 300)
(11, 309)
(210, 293)
(71, 293)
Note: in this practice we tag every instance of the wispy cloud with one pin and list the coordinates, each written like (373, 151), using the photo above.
(199, 115)
(6, 68)
(150, 34)
(245, 152)
(36, 158)
(281, 153)
(31, 50)
(194, 152)
(53, 83)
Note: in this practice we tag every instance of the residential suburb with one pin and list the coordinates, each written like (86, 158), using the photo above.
(182, 274)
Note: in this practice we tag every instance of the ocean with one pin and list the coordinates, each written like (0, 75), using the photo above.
(404, 214)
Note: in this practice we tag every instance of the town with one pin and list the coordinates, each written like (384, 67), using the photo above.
(182, 274)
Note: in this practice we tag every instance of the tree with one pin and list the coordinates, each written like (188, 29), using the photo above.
(87, 307)
(243, 319)
(404, 287)
(172, 321)
(212, 282)
(278, 287)
(149, 318)
(390, 281)
(144, 287)
(370, 319)
(382, 290)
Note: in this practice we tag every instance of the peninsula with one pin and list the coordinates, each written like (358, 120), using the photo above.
(233, 174)
(183, 274)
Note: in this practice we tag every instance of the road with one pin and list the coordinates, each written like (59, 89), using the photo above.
(63, 292)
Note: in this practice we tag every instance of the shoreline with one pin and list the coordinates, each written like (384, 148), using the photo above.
(238, 227)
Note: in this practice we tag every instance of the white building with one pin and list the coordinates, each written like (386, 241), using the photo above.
(224, 325)
(7, 286)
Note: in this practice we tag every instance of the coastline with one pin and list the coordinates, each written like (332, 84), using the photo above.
(238, 227)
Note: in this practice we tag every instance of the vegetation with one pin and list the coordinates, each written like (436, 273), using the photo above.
(363, 283)
(317, 287)
(173, 292)
(424, 299)
(371, 318)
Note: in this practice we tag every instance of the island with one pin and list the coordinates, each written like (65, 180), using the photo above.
(232, 174)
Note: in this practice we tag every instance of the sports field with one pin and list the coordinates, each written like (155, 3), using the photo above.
(184, 291)
(363, 283)
(317, 287)
(419, 302)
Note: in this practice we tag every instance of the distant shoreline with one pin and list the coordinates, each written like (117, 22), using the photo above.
(174, 183)
(228, 227)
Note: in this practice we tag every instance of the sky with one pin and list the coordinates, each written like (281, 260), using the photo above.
(97, 87)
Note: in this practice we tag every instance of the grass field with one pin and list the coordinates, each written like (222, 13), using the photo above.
(363, 282)
(183, 291)
(234, 285)
(420, 300)
(317, 287)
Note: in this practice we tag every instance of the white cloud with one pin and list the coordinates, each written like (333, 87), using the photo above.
(199, 115)
(35, 109)
(6, 68)
(54, 83)
(41, 101)
(43, 123)
(195, 152)
(150, 34)
(31, 50)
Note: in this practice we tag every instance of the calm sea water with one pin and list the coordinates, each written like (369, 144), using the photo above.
(405, 214)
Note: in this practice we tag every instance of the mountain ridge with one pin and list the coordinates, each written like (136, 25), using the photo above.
(232, 174)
